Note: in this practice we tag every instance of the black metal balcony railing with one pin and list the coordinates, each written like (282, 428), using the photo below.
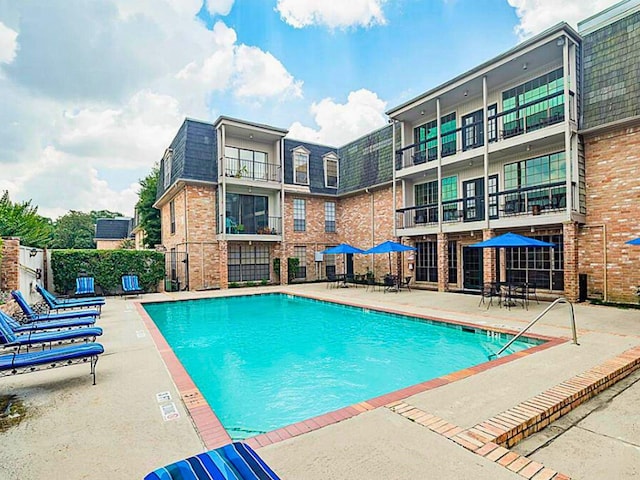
(538, 200)
(252, 170)
(513, 122)
(259, 226)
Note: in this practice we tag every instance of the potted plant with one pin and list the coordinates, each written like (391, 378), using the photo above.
(239, 228)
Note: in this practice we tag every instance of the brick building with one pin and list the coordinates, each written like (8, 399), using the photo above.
(111, 232)
(539, 141)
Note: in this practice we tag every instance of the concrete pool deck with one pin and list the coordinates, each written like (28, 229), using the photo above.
(75, 430)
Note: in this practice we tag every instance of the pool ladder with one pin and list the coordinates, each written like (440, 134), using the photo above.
(532, 323)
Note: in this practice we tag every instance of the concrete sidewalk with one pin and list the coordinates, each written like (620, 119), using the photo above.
(116, 429)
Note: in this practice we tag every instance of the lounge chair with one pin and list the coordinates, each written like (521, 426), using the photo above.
(17, 363)
(56, 303)
(236, 461)
(40, 325)
(34, 317)
(85, 287)
(9, 339)
(131, 285)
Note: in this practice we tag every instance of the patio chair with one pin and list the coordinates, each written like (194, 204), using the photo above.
(235, 461)
(390, 283)
(39, 325)
(89, 315)
(11, 340)
(489, 291)
(16, 363)
(85, 287)
(131, 285)
(531, 291)
(55, 303)
(519, 294)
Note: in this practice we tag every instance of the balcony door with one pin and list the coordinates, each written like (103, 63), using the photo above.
(247, 213)
(473, 205)
(472, 268)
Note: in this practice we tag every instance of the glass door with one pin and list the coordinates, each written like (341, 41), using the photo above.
(473, 200)
(472, 268)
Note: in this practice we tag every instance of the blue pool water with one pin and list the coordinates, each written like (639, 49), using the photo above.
(266, 361)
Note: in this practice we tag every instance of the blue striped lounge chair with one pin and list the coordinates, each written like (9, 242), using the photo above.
(11, 340)
(16, 363)
(235, 461)
(32, 316)
(85, 286)
(54, 303)
(131, 285)
(40, 325)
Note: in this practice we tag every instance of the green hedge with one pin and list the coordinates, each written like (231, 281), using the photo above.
(107, 267)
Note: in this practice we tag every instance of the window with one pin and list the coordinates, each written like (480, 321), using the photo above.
(245, 163)
(329, 263)
(168, 161)
(472, 130)
(301, 254)
(330, 217)
(453, 262)
(539, 171)
(301, 166)
(299, 215)
(534, 104)
(493, 196)
(492, 122)
(247, 213)
(448, 125)
(426, 136)
(449, 198)
(542, 266)
(426, 195)
(248, 263)
(172, 216)
(427, 262)
(331, 171)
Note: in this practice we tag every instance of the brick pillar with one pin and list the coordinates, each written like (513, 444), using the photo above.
(489, 258)
(223, 262)
(10, 264)
(443, 262)
(570, 237)
(284, 266)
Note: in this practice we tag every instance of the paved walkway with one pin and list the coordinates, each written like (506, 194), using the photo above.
(116, 429)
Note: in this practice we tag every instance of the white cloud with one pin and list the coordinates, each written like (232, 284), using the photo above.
(219, 7)
(83, 120)
(332, 14)
(261, 74)
(537, 15)
(340, 123)
(8, 44)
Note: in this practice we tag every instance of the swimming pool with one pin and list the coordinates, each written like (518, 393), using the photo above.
(266, 361)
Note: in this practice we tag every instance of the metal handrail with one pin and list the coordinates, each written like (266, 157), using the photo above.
(555, 302)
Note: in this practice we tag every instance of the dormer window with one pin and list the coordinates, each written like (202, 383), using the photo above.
(331, 170)
(167, 161)
(301, 166)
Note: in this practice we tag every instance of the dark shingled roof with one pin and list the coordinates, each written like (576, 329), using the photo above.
(113, 228)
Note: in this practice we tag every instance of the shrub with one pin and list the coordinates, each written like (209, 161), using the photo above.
(234, 284)
(293, 263)
(264, 281)
(107, 267)
(250, 284)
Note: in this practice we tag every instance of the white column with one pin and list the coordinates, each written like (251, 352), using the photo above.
(439, 140)
(485, 128)
(569, 153)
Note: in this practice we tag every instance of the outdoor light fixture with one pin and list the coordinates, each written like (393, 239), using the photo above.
(421, 112)
(466, 92)
(560, 41)
(33, 252)
(524, 67)
(251, 135)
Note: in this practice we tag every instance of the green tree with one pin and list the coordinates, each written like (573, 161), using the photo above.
(74, 230)
(148, 216)
(96, 214)
(22, 220)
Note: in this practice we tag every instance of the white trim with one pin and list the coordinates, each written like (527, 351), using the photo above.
(167, 161)
(331, 157)
(302, 152)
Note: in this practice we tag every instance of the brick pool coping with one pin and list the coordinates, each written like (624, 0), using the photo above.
(213, 433)
(492, 438)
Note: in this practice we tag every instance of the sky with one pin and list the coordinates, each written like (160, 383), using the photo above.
(92, 92)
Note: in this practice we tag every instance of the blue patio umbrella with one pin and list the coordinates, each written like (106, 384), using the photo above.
(343, 248)
(388, 247)
(635, 241)
(511, 240)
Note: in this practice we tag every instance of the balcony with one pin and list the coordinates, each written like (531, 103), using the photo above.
(539, 200)
(256, 226)
(252, 170)
(520, 120)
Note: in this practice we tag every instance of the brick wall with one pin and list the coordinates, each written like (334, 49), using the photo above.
(570, 239)
(10, 264)
(613, 204)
